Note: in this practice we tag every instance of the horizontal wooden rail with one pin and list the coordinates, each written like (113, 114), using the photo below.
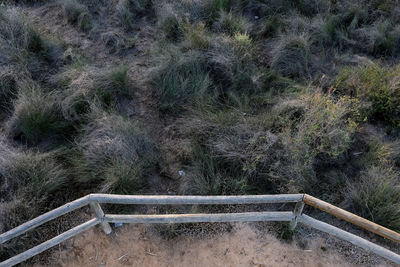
(49, 243)
(356, 240)
(283, 216)
(194, 200)
(294, 217)
(48, 216)
(352, 218)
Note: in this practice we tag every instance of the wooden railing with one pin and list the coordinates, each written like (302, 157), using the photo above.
(94, 200)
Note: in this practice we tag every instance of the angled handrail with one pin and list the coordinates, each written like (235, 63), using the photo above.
(94, 200)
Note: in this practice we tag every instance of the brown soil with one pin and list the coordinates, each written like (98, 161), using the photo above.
(139, 245)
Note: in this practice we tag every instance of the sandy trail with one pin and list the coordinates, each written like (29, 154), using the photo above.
(139, 245)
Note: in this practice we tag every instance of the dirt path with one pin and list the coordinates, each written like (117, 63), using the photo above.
(140, 246)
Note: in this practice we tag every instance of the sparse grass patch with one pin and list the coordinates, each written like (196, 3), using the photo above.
(115, 155)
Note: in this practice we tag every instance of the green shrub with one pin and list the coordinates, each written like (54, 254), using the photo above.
(36, 117)
(291, 57)
(376, 87)
(326, 128)
(115, 155)
(376, 196)
(231, 23)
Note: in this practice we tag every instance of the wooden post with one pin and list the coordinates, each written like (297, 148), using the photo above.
(298, 209)
(100, 215)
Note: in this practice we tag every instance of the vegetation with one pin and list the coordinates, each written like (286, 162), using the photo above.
(244, 97)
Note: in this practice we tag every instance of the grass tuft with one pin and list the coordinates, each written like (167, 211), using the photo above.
(116, 155)
(291, 57)
(36, 117)
(376, 196)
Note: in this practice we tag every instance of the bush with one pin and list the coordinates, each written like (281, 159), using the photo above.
(376, 87)
(291, 57)
(326, 128)
(115, 155)
(376, 196)
(235, 158)
(36, 117)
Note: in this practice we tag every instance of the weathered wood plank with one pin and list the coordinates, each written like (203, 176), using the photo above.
(197, 218)
(355, 240)
(298, 209)
(193, 200)
(98, 212)
(50, 243)
(48, 216)
(352, 218)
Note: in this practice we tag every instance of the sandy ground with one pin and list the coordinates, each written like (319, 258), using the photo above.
(138, 245)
